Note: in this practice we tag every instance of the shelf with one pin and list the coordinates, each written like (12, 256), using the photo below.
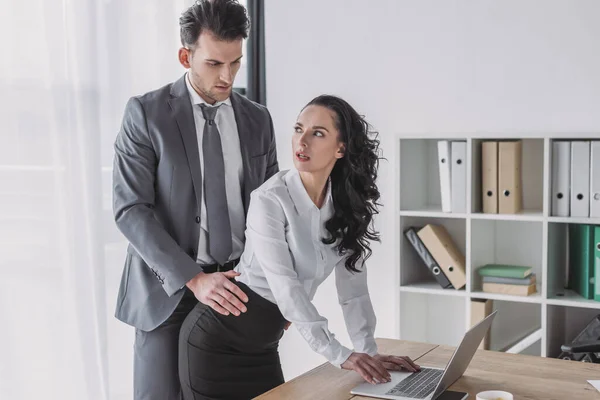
(431, 212)
(572, 299)
(575, 220)
(535, 298)
(525, 215)
(537, 324)
(431, 288)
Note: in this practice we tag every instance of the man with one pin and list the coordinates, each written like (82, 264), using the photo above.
(187, 157)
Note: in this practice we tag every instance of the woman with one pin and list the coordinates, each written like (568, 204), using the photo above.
(302, 224)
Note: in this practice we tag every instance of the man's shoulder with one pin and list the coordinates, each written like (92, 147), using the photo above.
(160, 94)
(250, 106)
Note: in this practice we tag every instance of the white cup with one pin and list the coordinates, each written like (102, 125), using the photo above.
(494, 395)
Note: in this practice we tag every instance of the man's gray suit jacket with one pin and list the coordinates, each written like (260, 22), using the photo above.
(157, 187)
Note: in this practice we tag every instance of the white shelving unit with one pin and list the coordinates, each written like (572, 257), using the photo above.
(538, 324)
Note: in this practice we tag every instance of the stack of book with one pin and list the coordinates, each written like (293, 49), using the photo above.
(514, 280)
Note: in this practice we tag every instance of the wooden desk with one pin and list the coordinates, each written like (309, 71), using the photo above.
(526, 377)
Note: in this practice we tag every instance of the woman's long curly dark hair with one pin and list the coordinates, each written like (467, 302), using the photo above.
(353, 187)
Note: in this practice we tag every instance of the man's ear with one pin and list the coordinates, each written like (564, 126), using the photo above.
(184, 57)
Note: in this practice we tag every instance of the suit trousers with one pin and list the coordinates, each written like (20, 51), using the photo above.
(155, 366)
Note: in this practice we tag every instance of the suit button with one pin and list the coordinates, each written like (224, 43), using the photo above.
(197, 219)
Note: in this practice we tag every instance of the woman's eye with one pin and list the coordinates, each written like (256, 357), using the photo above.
(319, 134)
(298, 129)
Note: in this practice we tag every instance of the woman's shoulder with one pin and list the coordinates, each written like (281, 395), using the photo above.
(274, 186)
(271, 196)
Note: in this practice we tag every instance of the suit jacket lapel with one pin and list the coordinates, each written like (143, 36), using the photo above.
(245, 132)
(181, 108)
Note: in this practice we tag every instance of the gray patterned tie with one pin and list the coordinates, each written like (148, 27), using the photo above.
(219, 227)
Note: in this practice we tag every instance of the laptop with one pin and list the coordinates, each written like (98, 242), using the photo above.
(430, 383)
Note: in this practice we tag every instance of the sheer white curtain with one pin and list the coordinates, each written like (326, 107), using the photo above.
(67, 68)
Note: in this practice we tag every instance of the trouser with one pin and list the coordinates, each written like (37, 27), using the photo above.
(155, 366)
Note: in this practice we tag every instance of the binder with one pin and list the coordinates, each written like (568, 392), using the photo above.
(480, 309)
(444, 165)
(581, 260)
(561, 174)
(595, 179)
(489, 177)
(417, 244)
(445, 253)
(458, 173)
(509, 177)
(596, 263)
(580, 179)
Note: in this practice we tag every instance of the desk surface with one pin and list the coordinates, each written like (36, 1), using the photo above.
(526, 377)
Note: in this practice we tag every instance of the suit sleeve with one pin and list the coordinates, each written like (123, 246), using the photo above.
(134, 175)
(272, 164)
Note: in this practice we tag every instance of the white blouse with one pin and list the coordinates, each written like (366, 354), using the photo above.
(285, 261)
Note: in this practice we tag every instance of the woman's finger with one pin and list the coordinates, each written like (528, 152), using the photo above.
(392, 366)
(411, 362)
(376, 369)
(402, 363)
(365, 375)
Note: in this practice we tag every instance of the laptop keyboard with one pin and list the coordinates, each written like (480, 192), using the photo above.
(419, 384)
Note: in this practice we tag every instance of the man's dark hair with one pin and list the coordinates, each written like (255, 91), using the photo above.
(226, 19)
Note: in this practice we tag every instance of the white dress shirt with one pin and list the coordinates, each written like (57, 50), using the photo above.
(285, 261)
(234, 174)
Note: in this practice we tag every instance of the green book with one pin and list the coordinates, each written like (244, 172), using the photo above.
(581, 259)
(504, 271)
(597, 263)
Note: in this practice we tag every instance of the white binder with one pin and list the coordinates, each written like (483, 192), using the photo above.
(444, 165)
(595, 180)
(458, 171)
(561, 176)
(580, 179)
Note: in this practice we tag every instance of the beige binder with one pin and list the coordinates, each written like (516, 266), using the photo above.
(480, 309)
(489, 177)
(445, 253)
(509, 177)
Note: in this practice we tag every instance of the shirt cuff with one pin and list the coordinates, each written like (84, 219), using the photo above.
(336, 354)
(366, 345)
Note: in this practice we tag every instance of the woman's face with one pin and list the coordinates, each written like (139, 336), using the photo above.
(316, 142)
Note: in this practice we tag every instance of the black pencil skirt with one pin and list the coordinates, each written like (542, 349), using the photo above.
(228, 357)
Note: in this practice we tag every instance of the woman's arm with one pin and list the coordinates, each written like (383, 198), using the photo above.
(353, 295)
(266, 231)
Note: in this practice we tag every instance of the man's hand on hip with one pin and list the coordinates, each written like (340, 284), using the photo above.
(218, 292)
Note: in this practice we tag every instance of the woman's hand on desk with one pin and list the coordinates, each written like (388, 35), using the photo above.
(397, 363)
(371, 369)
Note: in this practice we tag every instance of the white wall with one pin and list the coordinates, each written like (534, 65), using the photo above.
(432, 68)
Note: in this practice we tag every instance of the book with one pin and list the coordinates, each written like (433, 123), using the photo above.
(515, 290)
(596, 251)
(510, 281)
(504, 271)
(480, 309)
(581, 259)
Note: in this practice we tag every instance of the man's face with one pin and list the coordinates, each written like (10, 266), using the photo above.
(213, 64)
